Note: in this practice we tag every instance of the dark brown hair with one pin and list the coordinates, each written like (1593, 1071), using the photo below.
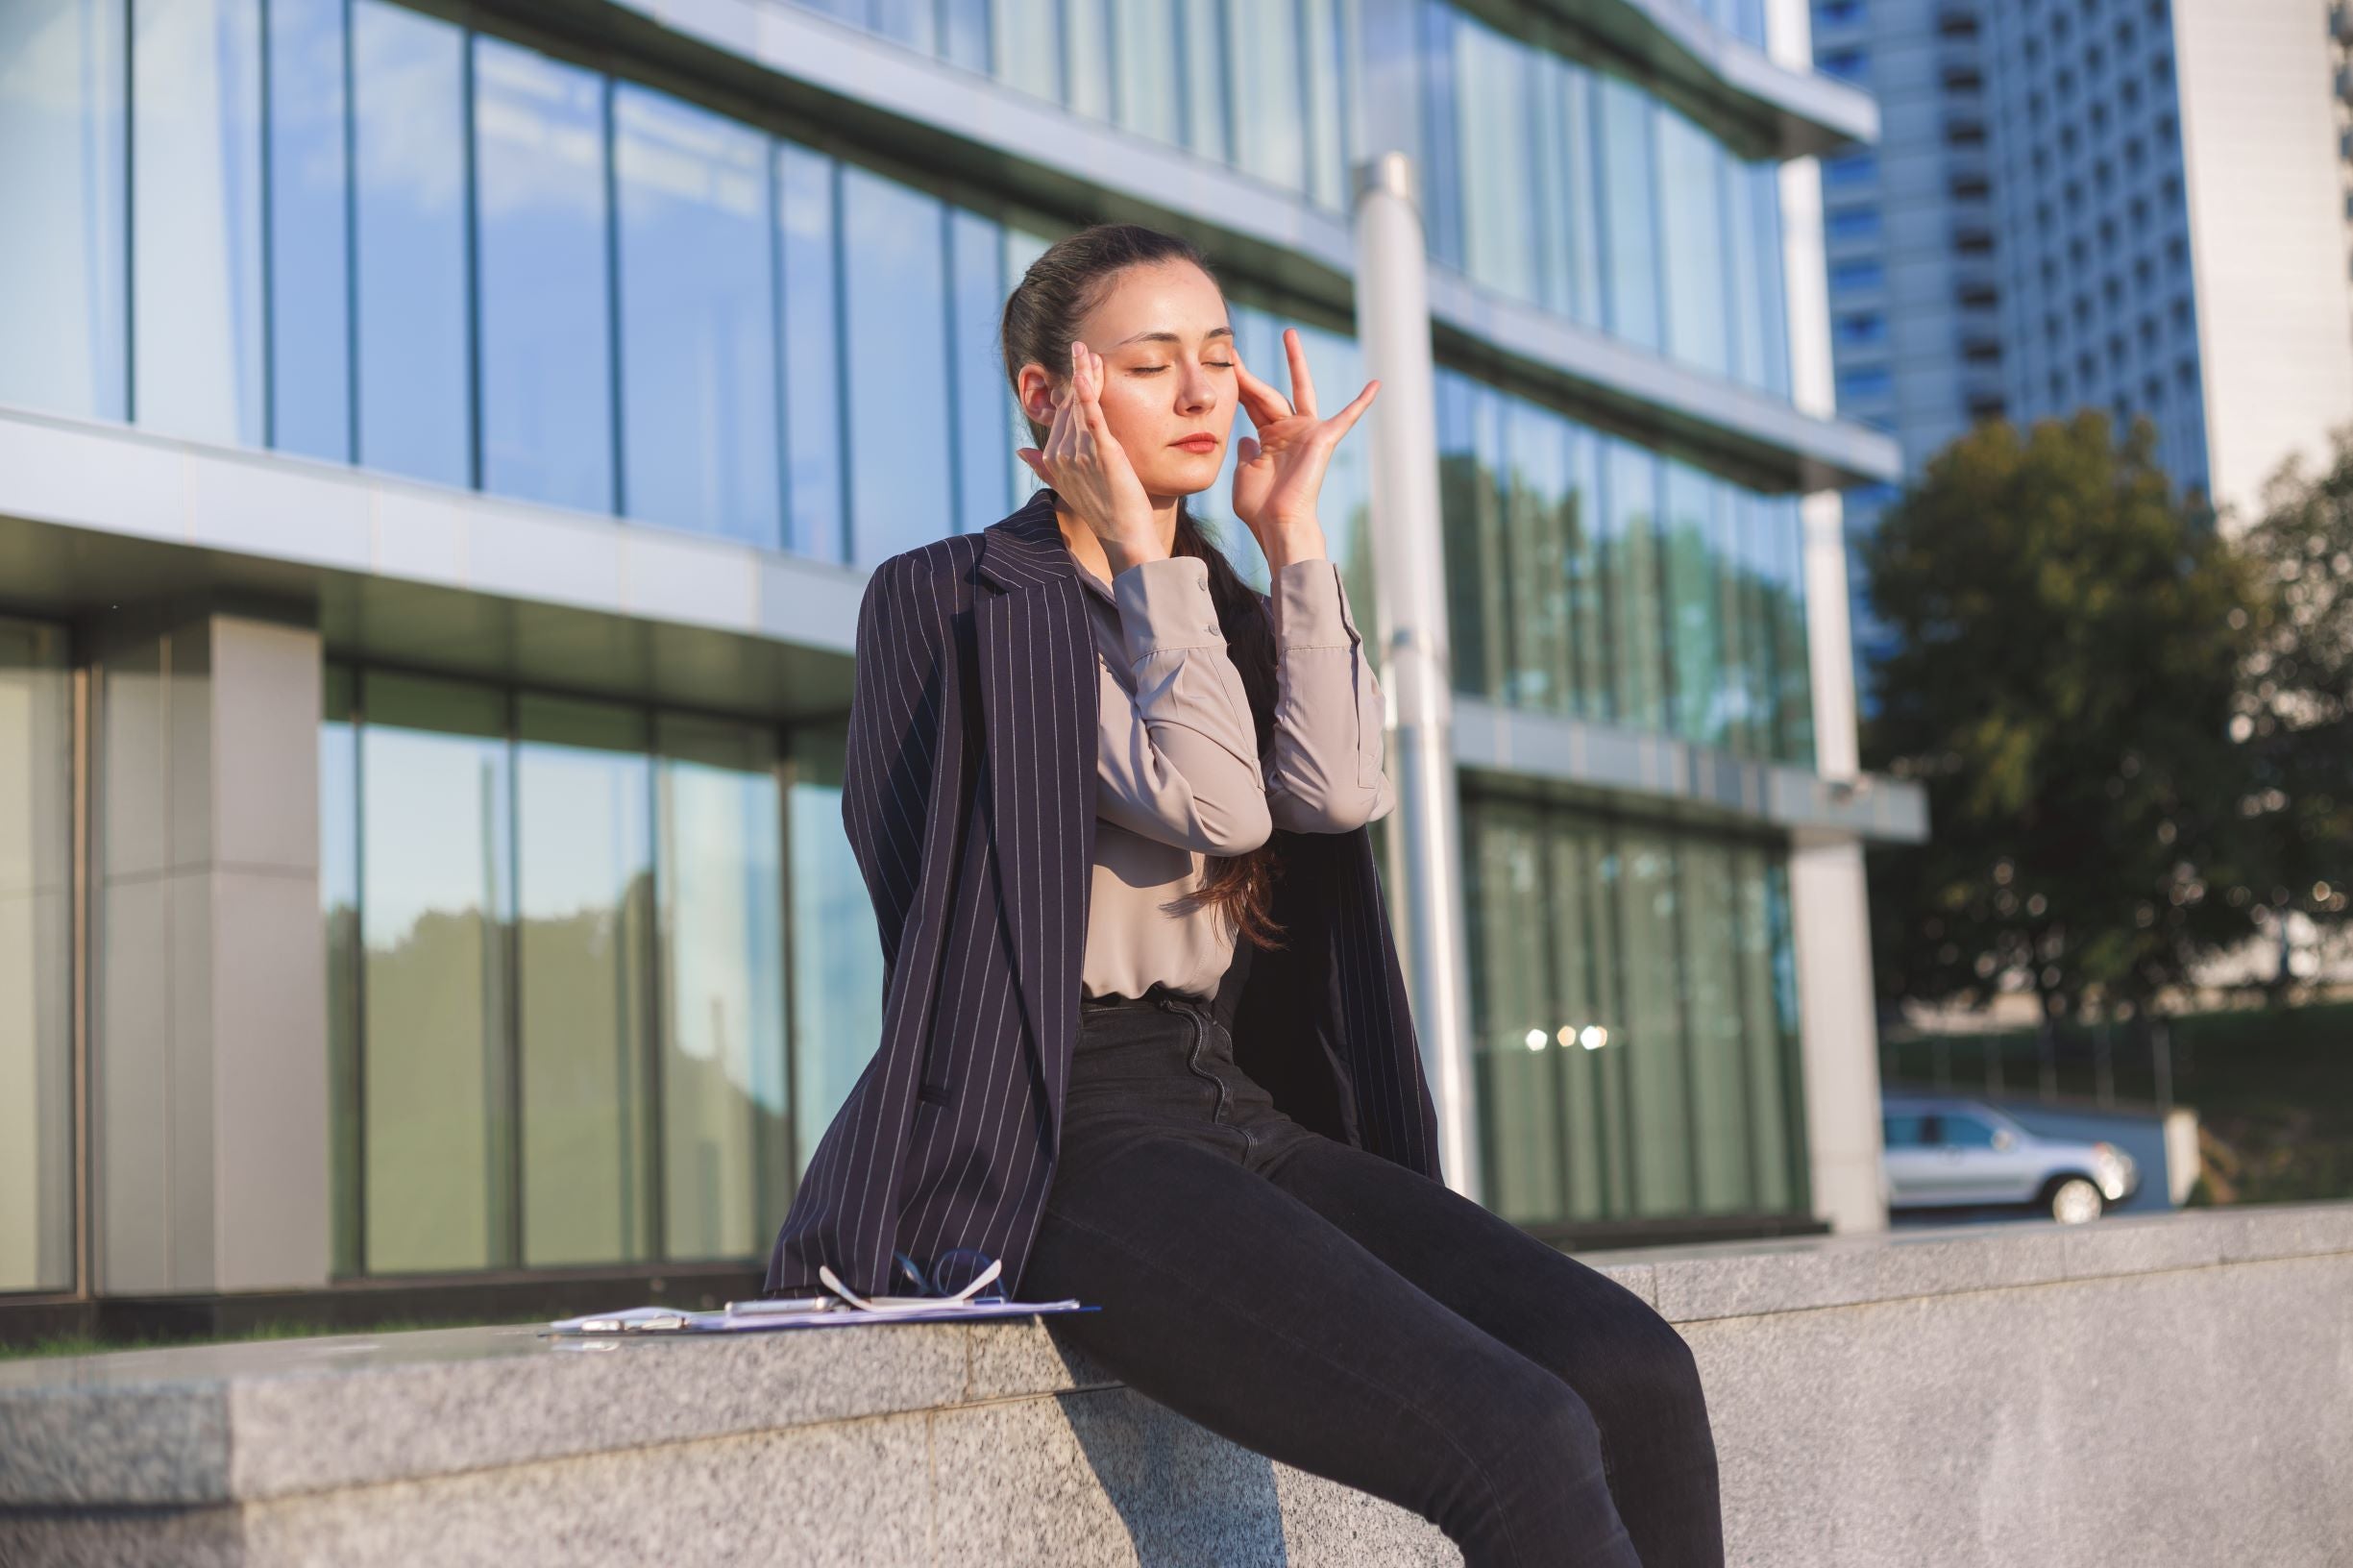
(1041, 320)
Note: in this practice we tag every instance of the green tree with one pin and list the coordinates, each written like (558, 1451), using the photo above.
(2293, 711)
(2062, 685)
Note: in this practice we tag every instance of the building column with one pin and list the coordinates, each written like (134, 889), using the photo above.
(1830, 913)
(209, 987)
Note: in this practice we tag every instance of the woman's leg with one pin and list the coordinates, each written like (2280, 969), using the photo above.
(1630, 1366)
(1231, 1303)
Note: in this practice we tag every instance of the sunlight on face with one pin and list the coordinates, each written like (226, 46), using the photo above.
(1167, 373)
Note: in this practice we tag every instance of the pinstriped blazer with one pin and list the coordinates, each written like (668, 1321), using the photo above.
(969, 795)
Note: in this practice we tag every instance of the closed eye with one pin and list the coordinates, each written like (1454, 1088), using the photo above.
(1154, 370)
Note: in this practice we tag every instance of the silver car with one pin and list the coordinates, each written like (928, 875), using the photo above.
(1948, 1152)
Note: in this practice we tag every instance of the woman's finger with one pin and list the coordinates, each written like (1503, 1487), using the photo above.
(1303, 385)
(1263, 402)
(1345, 420)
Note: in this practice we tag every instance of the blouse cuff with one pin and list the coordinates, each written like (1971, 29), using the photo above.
(1307, 606)
(1166, 604)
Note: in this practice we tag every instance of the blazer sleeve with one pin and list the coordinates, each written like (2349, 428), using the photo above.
(1323, 768)
(1178, 761)
(891, 767)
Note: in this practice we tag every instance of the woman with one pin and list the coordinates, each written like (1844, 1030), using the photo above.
(1145, 1036)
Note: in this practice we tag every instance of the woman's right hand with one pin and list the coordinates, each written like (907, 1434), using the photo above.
(1085, 465)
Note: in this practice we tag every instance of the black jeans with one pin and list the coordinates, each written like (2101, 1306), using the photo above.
(1331, 1309)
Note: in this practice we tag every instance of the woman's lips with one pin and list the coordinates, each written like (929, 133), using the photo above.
(1197, 443)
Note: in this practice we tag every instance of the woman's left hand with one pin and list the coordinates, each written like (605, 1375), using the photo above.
(1278, 475)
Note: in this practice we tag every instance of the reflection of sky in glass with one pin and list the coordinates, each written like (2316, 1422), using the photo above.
(984, 399)
(806, 212)
(547, 364)
(837, 971)
(311, 367)
(698, 319)
(434, 824)
(724, 881)
(196, 218)
(408, 116)
(62, 187)
(895, 292)
(583, 824)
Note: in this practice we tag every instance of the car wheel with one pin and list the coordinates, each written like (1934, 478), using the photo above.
(2076, 1200)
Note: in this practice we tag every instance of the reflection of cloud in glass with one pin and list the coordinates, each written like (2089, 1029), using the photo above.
(408, 64)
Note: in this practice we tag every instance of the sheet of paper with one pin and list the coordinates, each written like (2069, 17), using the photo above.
(638, 1322)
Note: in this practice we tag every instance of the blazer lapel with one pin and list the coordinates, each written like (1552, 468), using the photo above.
(1039, 712)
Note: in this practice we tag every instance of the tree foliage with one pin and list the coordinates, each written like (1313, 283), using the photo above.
(2066, 642)
(2293, 712)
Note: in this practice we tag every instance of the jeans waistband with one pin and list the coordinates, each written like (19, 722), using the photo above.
(1156, 996)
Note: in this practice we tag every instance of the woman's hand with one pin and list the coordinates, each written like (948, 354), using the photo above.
(1277, 477)
(1086, 466)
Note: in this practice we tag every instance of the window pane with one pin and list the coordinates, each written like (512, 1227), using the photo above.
(837, 958)
(698, 320)
(1694, 605)
(63, 199)
(1577, 918)
(1144, 34)
(1028, 45)
(1476, 570)
(1632, 543)
(339, 911)
(585, 885)
(725, 1151)
(896, 312)
(1493, 113)
(1793, 672)
(1207, 112)
(437, 895)
(1661, 1127)
(1518, 1057)
(1773, 1081)
(409, 118)
(1711, 1003)
(1564, 196)
(914, 23)
(547, 352)
(963, 33)
(1691, 217)
(1087, 69)
(36, 1155)
(807, 192)
(1322, 23)
(1539, 517)
(984, 399)
(1630, 217)
(1587, 584)
(196, 218)
(310, 359)
(1262, 61)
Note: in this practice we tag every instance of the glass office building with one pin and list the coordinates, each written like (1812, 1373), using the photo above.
(440, 457)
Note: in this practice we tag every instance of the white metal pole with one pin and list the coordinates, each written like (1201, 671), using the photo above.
(1393, 329)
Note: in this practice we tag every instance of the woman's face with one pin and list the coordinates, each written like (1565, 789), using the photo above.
(1167, 373)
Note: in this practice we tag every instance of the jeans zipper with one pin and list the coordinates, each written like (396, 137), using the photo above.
(1194, 1061)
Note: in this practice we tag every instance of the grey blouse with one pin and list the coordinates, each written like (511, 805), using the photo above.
(1180, 771)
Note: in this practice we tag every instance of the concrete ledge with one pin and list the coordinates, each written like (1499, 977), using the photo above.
(2173, 1388)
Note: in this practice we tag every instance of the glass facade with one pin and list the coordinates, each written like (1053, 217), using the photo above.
(1580, 192)
(1591, 578)
(363, 234)
(557, 985)
(600, 973)
(1635, 1018)
(37, 1143)
(1258, 85)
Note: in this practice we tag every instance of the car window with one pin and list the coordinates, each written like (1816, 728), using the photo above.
(1959, 1131)
(1908, 1130)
